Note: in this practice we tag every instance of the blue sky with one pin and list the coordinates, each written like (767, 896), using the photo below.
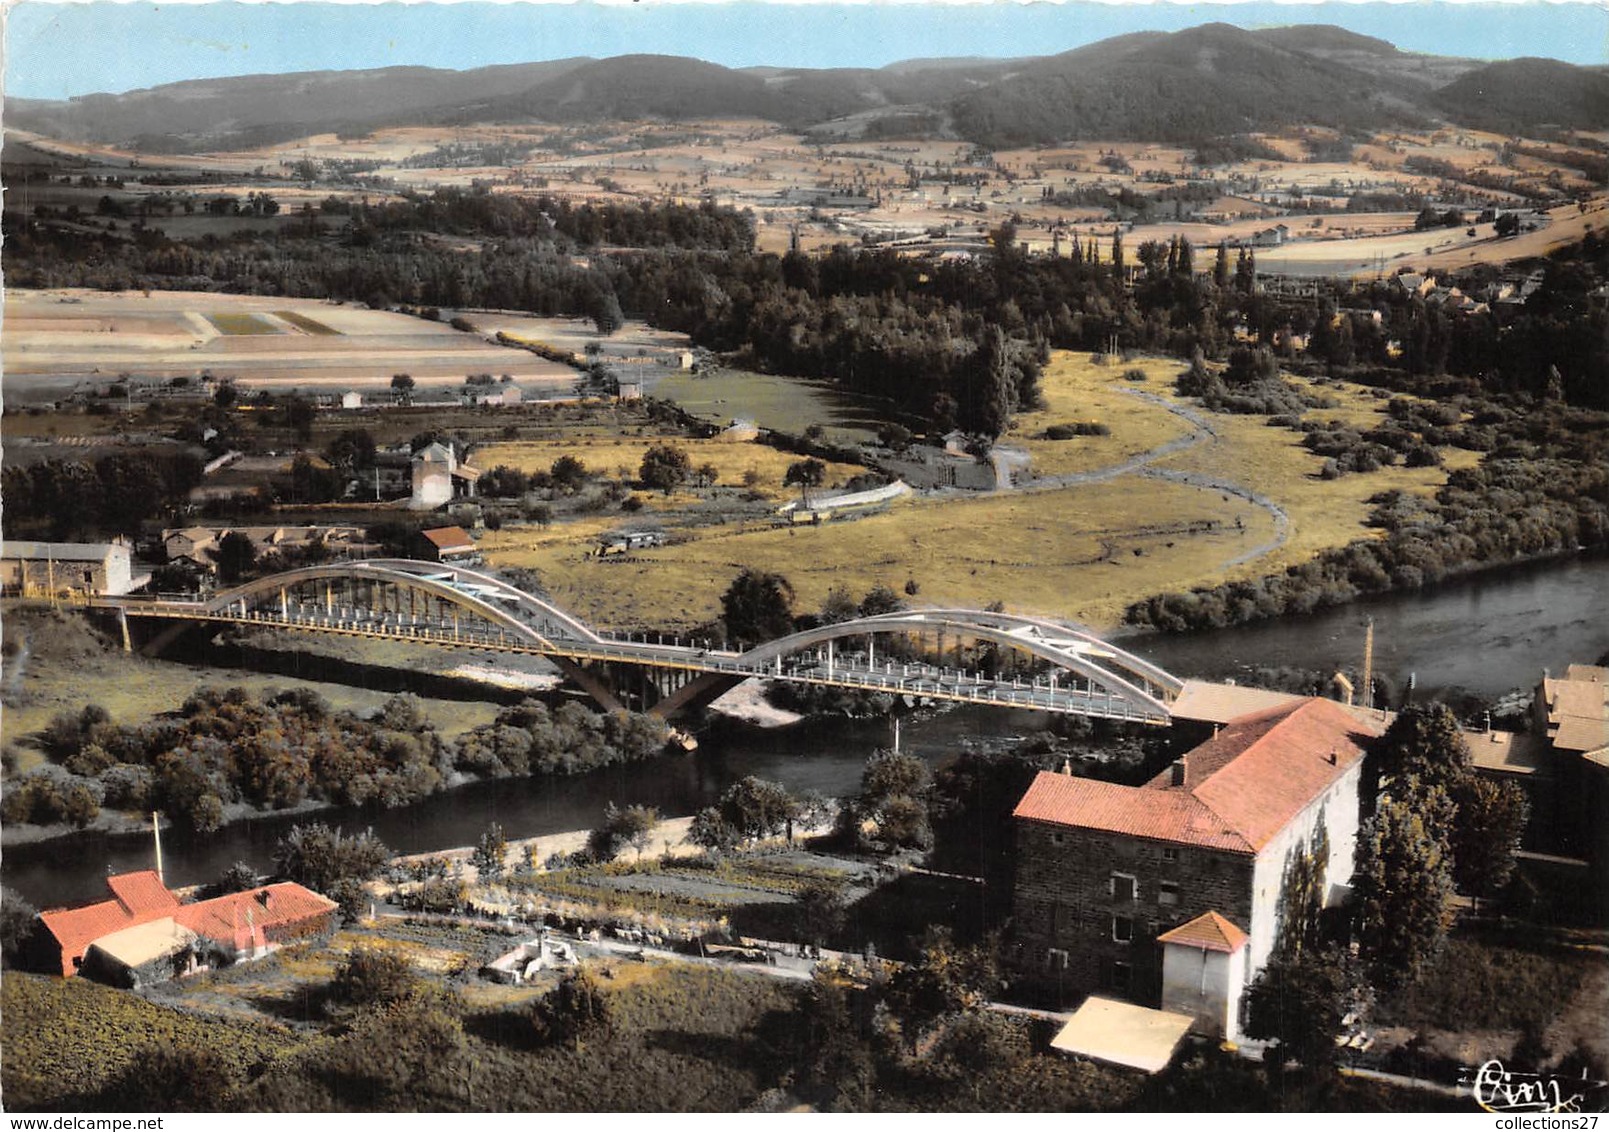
(55, 50)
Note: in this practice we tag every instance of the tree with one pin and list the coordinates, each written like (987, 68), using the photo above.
(490, 853)
(238, 877)
(1403, 883)
(236, 556)
(320, 857)
(576, 1010)
(665, 467)
(838, 607)
(1300, 1002)
(757, 607)
(880, 600)
(373, 976)
(17, 919)
(755, 808)
(805, 474)
(402, 385)
(893, 793)
(1486, 835)
(821, 911)
(1423, 742)
(167, 1077)
(944, 981)
(352, 450)
(568, 473)
(632, 826)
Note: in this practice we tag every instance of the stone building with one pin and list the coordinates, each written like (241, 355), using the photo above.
(1170, 893)
(42, 568)
(439, 478)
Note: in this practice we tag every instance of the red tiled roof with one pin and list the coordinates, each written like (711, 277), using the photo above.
(1138, 812)
(141, 898)
(448, 538)
(1209, 932)
(138, 897)
(1240, 788)
(142, 893)
(242, 918)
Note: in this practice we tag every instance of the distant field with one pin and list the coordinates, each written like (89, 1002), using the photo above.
(302, 322)
(789, 404)
(234, 322)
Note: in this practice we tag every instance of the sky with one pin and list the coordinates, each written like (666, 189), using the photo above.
(59, 49)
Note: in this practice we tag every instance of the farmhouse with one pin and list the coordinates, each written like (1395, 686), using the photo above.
(53, 567)
(439, 478)
(144, 935)
(1171, 893)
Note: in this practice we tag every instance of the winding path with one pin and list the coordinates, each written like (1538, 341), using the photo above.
(1201, 431)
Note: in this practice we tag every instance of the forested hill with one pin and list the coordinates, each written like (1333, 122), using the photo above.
(1149, 86)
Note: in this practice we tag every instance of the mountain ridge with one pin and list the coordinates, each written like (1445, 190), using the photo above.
(1206, 81)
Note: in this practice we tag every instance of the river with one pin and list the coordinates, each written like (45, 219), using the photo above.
(1487, 634)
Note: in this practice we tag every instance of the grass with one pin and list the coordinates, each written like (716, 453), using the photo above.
(1082, 553)
(621, 456)
(1480, 985)
(240, 323)
(68, 1038)
(789, 404)
(302, 322)
(1076, 389)
(1070, 553)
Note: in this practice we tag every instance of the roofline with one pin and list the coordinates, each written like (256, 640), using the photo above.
(1249, 851)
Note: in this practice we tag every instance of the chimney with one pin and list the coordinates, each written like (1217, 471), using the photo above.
(1067, 767)
(1179, 767)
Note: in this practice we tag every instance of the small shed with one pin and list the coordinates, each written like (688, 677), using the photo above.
(351, 399)
(447, 544)
(1120, 1033)
(1204, 973)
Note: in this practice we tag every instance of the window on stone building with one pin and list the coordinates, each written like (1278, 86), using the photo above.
(1122, 977)
(1124, 887)
(1169, 853)
(1122, 929)
(1167, 893)
(1058, 838)
(1056, 959)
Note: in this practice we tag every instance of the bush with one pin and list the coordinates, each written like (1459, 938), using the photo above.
(371, 976)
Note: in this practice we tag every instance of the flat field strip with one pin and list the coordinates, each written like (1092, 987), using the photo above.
(240, 323)
(302, 322)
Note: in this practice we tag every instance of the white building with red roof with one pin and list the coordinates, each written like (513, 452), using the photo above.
(1171, 893)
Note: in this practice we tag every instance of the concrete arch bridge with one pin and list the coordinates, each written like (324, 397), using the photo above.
(958, 655)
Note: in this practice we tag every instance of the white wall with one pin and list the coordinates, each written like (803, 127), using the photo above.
(1337, 810)
(1204, 984)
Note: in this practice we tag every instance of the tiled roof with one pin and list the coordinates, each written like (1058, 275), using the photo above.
(138, 897)
(142, 893)
(241, 918)
(1208, 931)
(1273, 765)
(1240, 788)
(141, 898)
(1138, 812)
(448, 538)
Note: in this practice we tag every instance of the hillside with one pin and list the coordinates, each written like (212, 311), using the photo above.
(1517, 93)
(1207, 81)
(1149, 86)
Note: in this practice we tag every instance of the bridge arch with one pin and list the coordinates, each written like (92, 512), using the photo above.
(486, 599)
(1106, 669)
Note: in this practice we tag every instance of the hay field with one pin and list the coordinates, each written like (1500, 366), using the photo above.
(58, 340)
(619, 457)
(1076, 389)
(1082, 552)
(1070, 553)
